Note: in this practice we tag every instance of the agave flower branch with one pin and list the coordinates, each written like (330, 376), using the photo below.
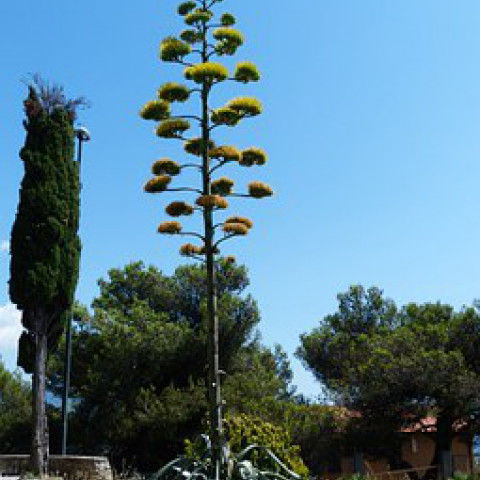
(207, 35)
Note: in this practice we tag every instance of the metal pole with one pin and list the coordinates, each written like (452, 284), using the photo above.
(66, 383)
(83, 135)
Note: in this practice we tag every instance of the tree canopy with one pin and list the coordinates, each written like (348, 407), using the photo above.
(15, 412)
(138, 377)
(399, 364)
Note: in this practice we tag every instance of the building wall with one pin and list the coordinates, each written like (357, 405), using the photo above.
(418, 449)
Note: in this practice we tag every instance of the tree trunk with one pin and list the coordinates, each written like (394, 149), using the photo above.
(214, 392)
(39, 453)
(443, 447)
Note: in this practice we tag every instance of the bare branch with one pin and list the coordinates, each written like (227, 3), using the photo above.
(183, 189)
(181, 117)
(192, 234)
(225, 238)
(220, 165)
(242, 195)
(191, 165)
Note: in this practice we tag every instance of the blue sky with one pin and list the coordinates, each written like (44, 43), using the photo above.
(372, 124)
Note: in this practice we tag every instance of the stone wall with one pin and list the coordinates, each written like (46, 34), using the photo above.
(69, 467)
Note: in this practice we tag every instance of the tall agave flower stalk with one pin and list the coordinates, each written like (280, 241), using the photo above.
(208, 36)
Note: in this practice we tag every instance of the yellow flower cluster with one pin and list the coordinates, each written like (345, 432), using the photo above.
(186, 7)
(190, 36)
(246, 221)
(207, 72)
(227, 20)
(188, 250)
(226, 152)
(225, 116)
(253, 156)
(195, 146)
(212, 201)
(223, 186)
(198, 17)
(246, 72)
(235, 228)
(166, 166)
(176, 209)
(173, 49)
(229, 39)
(155, 110)
(157, 184)
(259, 190)
(173, 92)
(245, 106)
(172, 128)
(170, 228)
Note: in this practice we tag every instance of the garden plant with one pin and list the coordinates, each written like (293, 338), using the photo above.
(208, 36)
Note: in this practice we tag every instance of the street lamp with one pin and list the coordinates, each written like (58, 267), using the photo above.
(82, 135)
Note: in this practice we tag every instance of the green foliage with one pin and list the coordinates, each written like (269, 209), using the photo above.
(45, 247)
(246, 72)
(172, 128)
(394, 365)
(243, 430)
(172, 49)
(138, 381)
(15, 412)
(155, 110)
(174, 92)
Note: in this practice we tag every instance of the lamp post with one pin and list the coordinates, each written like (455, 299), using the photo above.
(82, 135)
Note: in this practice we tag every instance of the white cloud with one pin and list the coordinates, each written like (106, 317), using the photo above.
(10, 328)
(4, 246)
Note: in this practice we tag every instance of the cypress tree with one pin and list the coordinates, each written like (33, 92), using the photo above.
(45, 247)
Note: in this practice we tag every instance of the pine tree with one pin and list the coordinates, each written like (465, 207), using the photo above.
(45, 247)
(207, 36)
